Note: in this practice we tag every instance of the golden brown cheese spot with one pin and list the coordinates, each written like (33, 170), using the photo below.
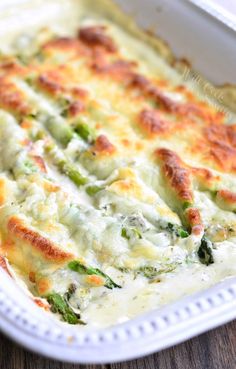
(139, 82)
(196, 108)
(13, 99)
(57, 82)
(4, 266)
(50, 82)
(194, 220)
(177, 174)
(221, 141)
(26, 142)
(26, 124)
(224, 156)
(188, 109)
(43, 285)
(99, 60)
(203, 173)
(63, 44)
(149, 89)
(75, 108)
(96, 36)
(71, 48)
(79, 92)
(2, 191)
(47, 248)
(205, 178)
(41, 303)
(228, 196)
(205, 111)
(50, 186)
(221, 133)
(95, 280)
(32, 277)
(128, 187)
(11, 67)
(119, 69)
(103, 145)
(125, 142)
(151, 122)
(226, 199)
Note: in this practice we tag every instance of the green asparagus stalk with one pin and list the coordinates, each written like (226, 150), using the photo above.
(65, 166)
(60, 131)
(73, 173)
(84, 130)
(80, 268)
(93, 189)
(59, 305)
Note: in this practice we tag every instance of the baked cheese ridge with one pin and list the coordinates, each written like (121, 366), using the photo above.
(117, 183)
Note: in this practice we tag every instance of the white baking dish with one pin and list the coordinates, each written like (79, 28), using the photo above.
(191, 33)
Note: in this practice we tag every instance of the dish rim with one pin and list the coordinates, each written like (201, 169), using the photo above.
(146, 334)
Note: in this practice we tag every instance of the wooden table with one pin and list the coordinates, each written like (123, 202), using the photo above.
(212, 350)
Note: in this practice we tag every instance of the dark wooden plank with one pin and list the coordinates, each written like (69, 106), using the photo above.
(212, 350)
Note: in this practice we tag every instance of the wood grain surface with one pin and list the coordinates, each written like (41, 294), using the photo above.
(213, 350)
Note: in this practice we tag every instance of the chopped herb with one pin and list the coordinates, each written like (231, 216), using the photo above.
(38, 135)
(59, 305)
(124, 233)
(177, 230)
(29, 167)
(205, 252)
(80, 268)
(150, 271)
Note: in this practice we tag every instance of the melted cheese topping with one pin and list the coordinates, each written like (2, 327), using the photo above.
(111, 161)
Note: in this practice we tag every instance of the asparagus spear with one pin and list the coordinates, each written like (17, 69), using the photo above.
(60, 305)
(177, 230)
(80, 268)
(65, 166)
(73, 173)
(59, 130)
(63, 133)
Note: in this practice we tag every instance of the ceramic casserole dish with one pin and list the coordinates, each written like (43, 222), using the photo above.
(119, 119)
